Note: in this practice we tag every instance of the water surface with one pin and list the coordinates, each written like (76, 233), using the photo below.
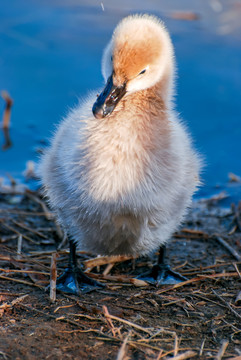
(50, 54)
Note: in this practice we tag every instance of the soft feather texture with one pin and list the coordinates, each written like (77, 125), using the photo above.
(122, 184)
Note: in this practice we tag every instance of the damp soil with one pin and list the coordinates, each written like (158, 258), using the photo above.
(199, 318)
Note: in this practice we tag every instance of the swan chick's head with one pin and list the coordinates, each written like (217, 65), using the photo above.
(138, 56)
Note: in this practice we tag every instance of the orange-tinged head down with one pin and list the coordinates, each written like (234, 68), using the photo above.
(138, 56)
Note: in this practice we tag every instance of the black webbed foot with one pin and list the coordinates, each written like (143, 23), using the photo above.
(74, 281)
(162, 274)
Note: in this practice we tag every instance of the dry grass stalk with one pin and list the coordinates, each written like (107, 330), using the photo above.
(227, 304)
(25, 227)
(82, 331)
(53, 278)
(200, 269)
(195, 232)
(123, 349)
(228, 247)
(222, 350)
(135, 344)
(9, 103)
(6, 119)
(235, 358)
(175, 345)
(161, 331)
(187, 355)
(135, 326)
(213, 199)
(108, 319)
(105, 260)
(159, 355)
(173, 302)
(18, 233)
(24, 271)
(123, 279)
(108, 269)
(202, 347)
(63, 307)
(92, 318)
(20, 281)
(62, 318)
(48, 214)
(5, 293)
(196, 279)
(138, 282)
(19, 249)
(233, 230)
(19, 212)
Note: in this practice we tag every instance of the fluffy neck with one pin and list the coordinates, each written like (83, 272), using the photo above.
(148, 104)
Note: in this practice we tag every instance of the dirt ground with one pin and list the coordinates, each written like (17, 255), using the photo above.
(198, 319)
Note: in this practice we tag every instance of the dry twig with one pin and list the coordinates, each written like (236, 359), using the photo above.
(25, 227)
(19, 249)
(222, 350)
(6, 119)
(122, 352)
(105, 260)
(227, 304)
(53, 317)
(17, 232)
(228, 247)
(49, 215)
(53, 278)
(108, 319)
(187, 355)
(196, 279)
(20, 281)
(135, 326)
(108, 269)
(202, 347)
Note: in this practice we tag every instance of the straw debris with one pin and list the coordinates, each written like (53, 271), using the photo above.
(197, 319)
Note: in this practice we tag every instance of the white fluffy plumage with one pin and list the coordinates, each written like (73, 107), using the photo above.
(122, 184)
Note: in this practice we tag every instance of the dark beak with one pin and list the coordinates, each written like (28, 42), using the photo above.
(108, 99)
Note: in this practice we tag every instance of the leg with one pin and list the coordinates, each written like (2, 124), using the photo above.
(161, 274)
(73, 280)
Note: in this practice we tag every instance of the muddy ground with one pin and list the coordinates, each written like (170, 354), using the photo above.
(198, 319)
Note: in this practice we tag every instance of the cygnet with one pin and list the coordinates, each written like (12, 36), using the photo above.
(121, 170)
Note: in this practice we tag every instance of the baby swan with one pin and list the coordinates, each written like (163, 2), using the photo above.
(120, 177)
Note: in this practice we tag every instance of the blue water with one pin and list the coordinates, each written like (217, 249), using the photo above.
(50, 54)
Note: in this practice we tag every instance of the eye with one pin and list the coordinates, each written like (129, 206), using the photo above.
(142, 72)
